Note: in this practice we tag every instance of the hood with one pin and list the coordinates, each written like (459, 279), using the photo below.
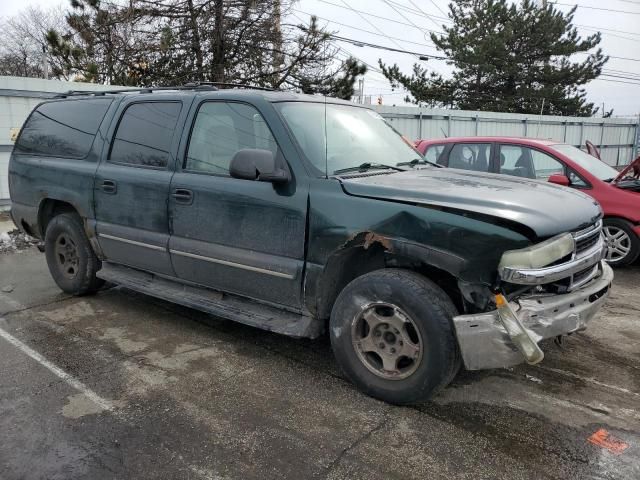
(545, 208)
(633, 166)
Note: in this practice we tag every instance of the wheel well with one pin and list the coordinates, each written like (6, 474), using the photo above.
(351, 263)
(49, 208)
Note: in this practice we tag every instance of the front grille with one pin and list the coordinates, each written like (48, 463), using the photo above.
(587, 238)
(584, 276)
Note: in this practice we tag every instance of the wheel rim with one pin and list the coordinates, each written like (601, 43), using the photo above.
(618, 243)
(387, 341)
(66, 254)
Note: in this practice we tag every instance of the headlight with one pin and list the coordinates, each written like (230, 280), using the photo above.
(539, 255)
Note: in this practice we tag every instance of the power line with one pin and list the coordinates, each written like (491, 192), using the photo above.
(360, 43)
(369, 22)
(434, 3)
(594, 8)
(608, 34)
(607, 29)
(375, 16)
(407, 19)
(432, 46)
(425, 13)
(412, 10)
(621, 72)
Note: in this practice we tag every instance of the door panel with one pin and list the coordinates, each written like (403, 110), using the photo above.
(240, 236)
(132, 186)
(132, 223)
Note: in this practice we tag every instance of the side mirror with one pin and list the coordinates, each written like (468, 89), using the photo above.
(256, 164)
(559, 179)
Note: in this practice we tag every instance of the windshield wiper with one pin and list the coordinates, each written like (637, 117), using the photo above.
(363, 167)
(418, 161)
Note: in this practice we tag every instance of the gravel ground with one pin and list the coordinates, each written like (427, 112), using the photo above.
(119, 385)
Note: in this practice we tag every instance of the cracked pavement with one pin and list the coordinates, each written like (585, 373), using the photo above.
(180, 394)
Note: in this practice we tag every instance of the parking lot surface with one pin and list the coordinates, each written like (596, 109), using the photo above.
(119, 385)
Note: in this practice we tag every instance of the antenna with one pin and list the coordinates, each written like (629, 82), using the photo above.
(326, 141)
(540, 118)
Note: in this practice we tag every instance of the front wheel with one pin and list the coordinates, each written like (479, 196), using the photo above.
(392, 335)
(623, 245)
(71, 260)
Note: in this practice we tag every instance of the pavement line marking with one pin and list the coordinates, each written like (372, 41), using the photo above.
(70, 380)
(11, 302)
(589, 380)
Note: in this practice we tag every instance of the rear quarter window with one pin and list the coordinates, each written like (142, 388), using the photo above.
(63, 128)
(434, 152)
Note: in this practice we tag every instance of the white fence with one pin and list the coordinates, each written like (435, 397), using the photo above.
(617, 138)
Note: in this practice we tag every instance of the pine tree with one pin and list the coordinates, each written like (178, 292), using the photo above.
(508, 57)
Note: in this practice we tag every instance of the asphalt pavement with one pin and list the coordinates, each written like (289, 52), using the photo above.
(118, 385)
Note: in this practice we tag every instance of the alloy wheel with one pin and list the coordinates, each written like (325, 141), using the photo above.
(618, 243)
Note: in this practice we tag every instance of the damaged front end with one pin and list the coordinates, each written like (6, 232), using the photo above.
(549, 289)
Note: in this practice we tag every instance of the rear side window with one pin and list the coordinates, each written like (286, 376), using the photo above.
(144, 135)
(62, 129)
(433, 153)
(470, 156)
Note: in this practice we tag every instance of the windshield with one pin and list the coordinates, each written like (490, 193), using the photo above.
(353, 136)
(591, 164)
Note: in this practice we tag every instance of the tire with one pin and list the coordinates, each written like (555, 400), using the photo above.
(395, 296)
(623, 245)
(71, 260)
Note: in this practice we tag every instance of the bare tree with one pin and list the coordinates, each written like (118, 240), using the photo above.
(23, 44)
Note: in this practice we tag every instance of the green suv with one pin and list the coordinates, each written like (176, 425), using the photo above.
(289, 213)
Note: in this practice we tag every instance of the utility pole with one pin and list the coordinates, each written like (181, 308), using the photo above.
(278, 57)
(45, 63)
(218, 47)
(361, 91)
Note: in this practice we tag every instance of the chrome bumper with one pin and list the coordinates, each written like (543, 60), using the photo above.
(485, 343)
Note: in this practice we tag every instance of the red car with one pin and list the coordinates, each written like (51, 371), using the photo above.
(547, 160)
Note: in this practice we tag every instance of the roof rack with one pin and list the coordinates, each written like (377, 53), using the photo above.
(230, 84)
(206, 86)
(99, 93)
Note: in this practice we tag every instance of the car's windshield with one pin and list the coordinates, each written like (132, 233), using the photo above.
(591, 164)
(350, 136)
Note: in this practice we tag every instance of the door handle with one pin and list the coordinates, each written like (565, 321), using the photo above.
(182, 195)
(109, 186)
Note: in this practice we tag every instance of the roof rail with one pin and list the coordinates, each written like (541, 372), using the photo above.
(189, 86)
(229, 84)
(99, 93)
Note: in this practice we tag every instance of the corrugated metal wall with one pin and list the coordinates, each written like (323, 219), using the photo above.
(18, 96)
(616, 137)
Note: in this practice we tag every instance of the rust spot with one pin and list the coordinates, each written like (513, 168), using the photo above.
(604, 439)
(370, 238)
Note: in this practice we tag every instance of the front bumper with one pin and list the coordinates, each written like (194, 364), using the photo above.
(485, 343)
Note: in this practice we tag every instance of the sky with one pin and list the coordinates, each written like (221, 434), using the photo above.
(405, 25)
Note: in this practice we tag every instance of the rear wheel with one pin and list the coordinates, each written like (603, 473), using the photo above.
(392, 335)
(71, 260)
(623, 245)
